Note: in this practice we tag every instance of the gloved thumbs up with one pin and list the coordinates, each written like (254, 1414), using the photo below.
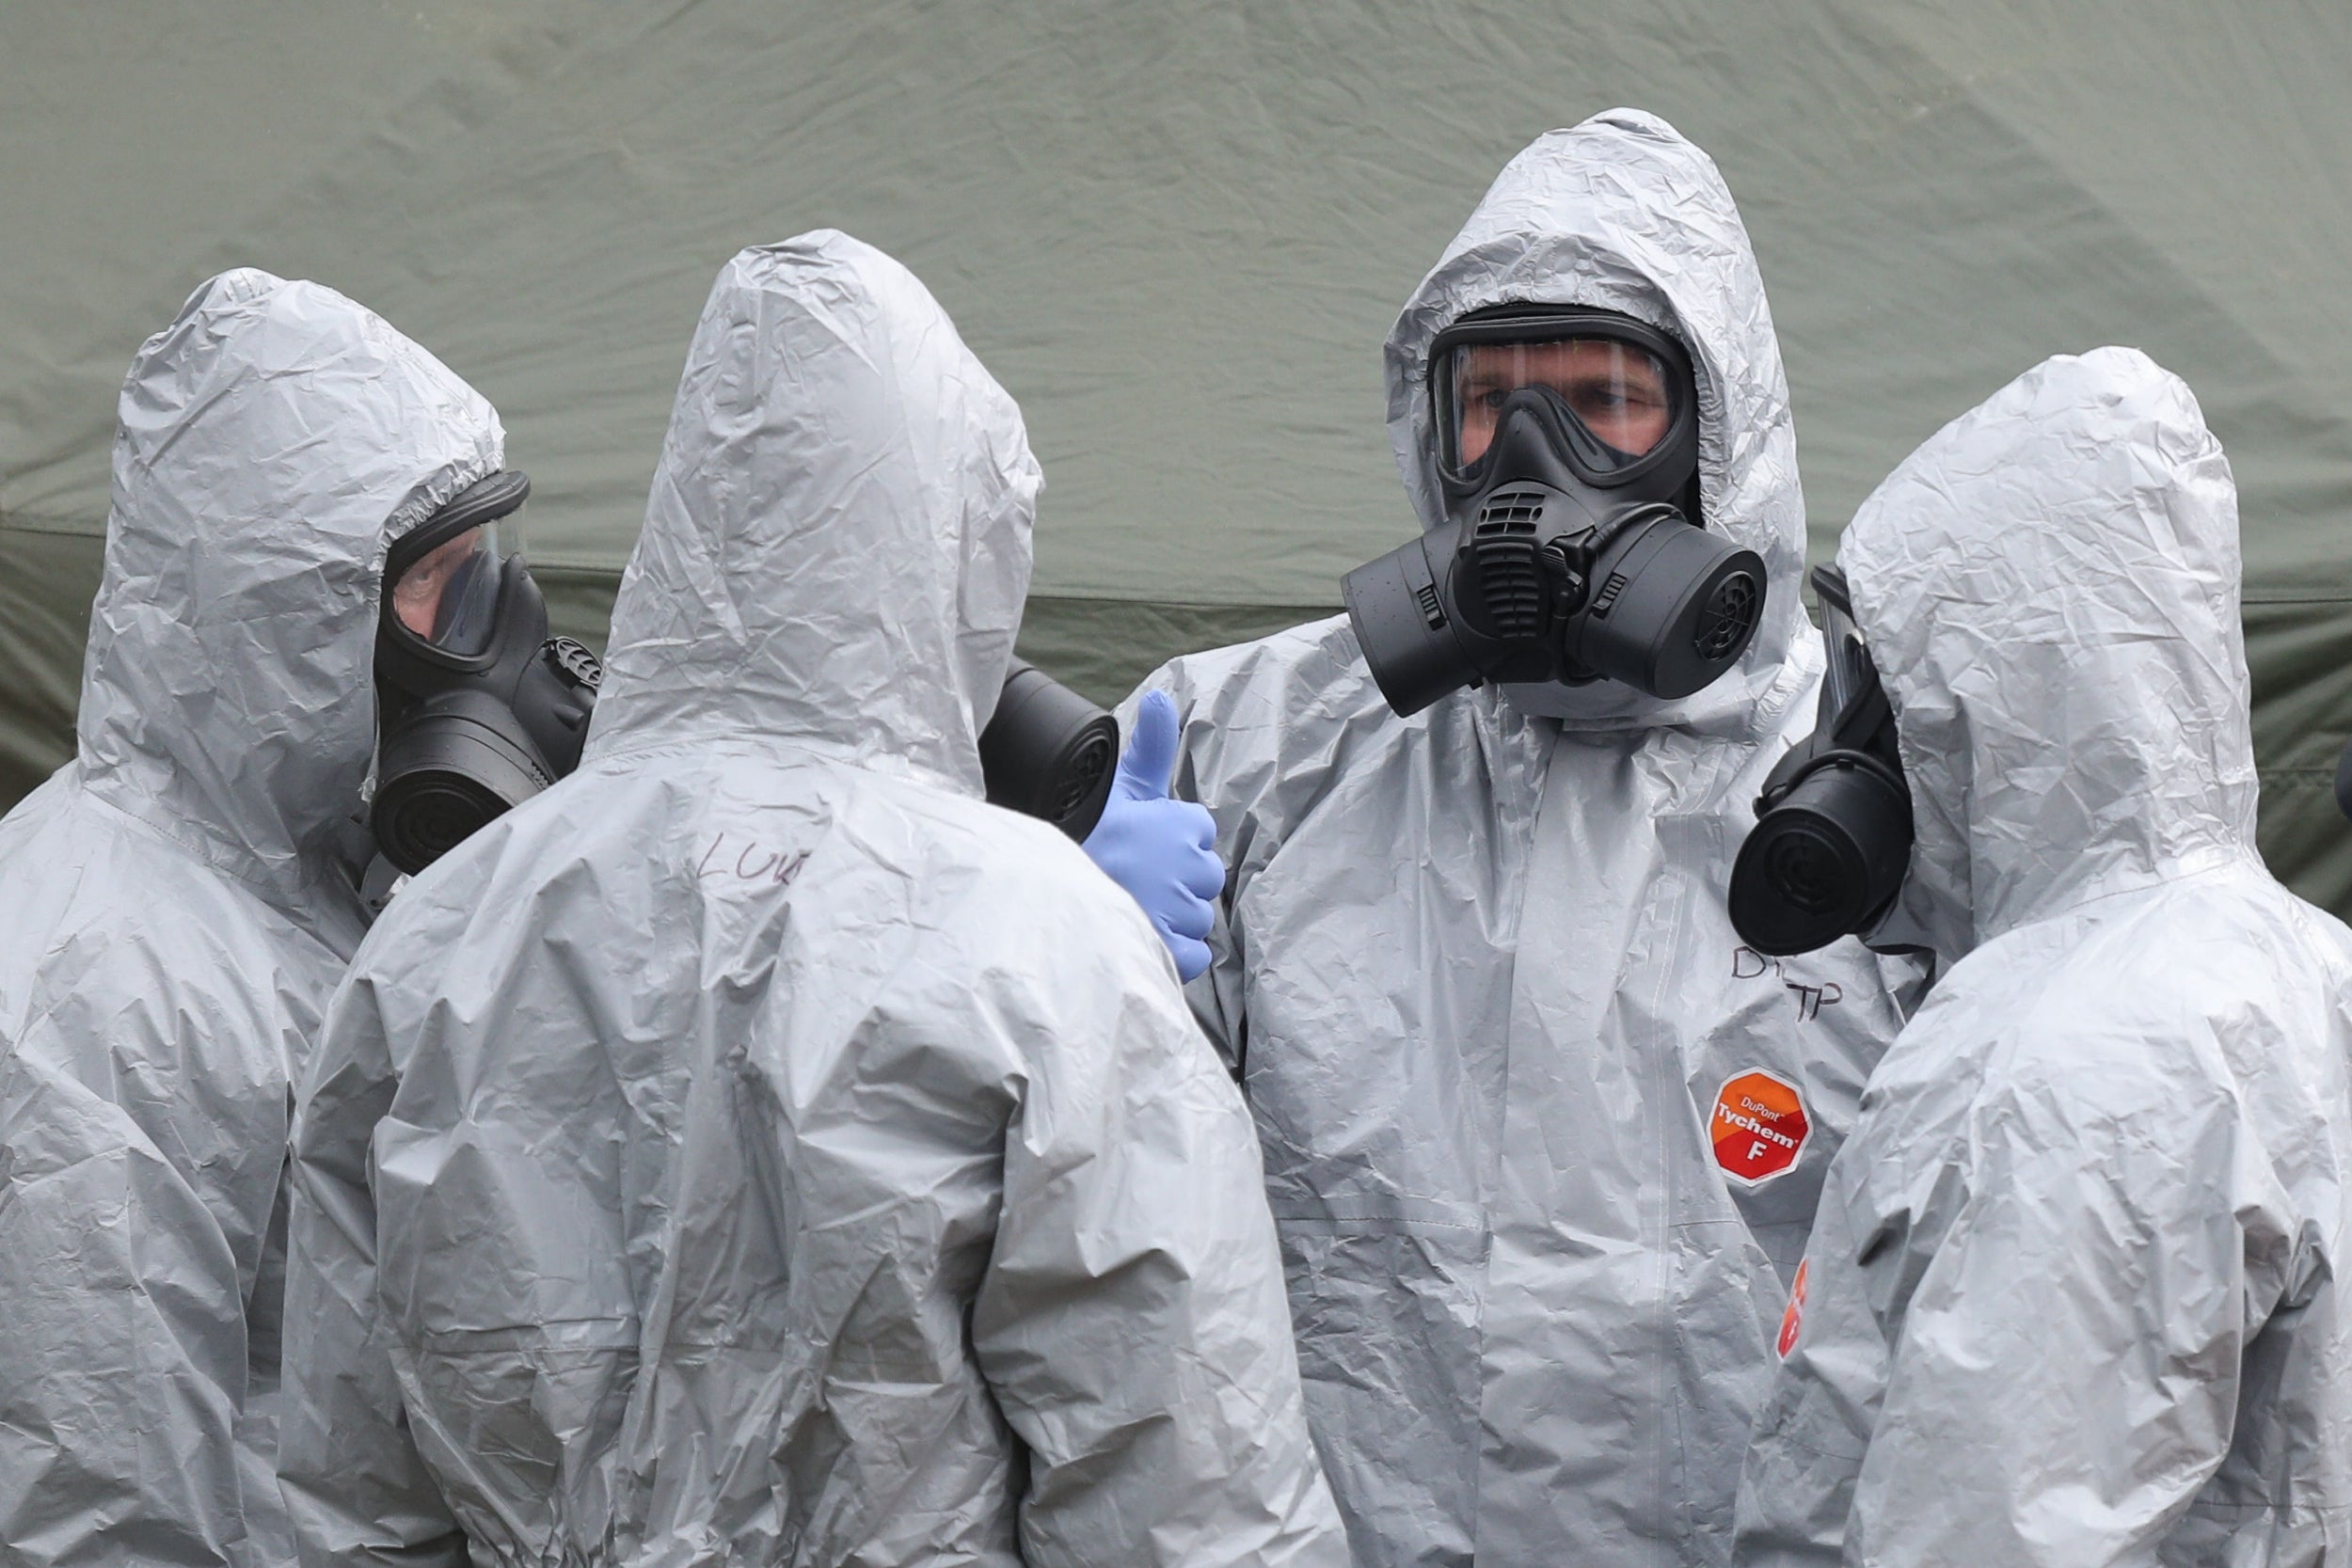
(1151, 754)
(1162, 851)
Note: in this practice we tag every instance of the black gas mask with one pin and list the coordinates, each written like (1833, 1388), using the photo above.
(1569, 466)
(1832, 839)
(480, 709)
(1048, 753)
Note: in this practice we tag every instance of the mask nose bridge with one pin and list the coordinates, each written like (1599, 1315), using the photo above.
(1538, 436)
(1535, 436)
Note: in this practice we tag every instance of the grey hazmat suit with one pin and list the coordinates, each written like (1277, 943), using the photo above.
(2075, 1296)
(176, 905)
(1543, 1139)
(757, 1149)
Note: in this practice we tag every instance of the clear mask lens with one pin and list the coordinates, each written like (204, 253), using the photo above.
(448, 597)
(1623, 394)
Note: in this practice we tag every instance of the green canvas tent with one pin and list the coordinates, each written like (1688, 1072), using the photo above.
(1177, 233)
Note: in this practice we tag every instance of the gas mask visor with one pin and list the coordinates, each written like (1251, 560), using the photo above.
(443, 590)
(1623, 389)
(1833, 831)
(1571, 551)
(479, 707)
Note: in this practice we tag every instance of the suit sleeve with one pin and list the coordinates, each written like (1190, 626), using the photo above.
(356, 1489)
(1133, 1321)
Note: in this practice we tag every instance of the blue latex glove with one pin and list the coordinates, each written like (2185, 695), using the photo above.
(1162, 851)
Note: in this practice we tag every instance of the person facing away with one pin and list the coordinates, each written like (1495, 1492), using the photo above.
(757, 1149)
(2075, 1295)
(1473, 967)
(177, 902)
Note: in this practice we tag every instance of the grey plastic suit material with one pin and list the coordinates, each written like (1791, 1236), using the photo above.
(778, 1155)
(1477, 972)
(2076, 1292)
(175, 910)
(2075, 1295)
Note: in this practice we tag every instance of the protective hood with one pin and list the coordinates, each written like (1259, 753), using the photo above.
(2050, 590)
(836, 548)
(1622, 214)
(273, 440)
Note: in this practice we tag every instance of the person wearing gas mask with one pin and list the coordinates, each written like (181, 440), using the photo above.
(2075, 1295)
(1543, 1137)
(759, 1148)
(177, 902)
(482, 711)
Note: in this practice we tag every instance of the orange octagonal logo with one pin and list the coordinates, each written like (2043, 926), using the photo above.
(1758, 1127)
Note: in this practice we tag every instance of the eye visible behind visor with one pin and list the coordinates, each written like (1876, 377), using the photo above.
(1625, 385)
(442, 579)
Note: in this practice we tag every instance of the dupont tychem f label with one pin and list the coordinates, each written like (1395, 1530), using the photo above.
(1758, 1127)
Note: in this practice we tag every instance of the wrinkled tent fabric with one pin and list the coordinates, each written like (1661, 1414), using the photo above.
(1177, 235)
(1476, 970)
(751, 1137)
(2075, 1295)
(178, 905)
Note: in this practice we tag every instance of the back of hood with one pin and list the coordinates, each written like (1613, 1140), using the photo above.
(272, 441)
(2050, 590)
(1622, 214)
(836, 548)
